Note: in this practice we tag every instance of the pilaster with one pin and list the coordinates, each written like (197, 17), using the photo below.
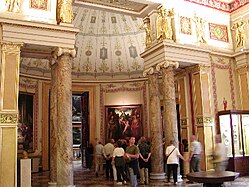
(242, 72)
(10, 60)
(203, 117)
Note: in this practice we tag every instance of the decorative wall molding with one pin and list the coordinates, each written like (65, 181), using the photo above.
(220, 5)
(8, 118)
(214, 86)
(218, 32)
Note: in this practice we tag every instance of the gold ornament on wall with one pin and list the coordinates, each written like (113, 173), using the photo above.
(147, 28)
(64, 11)
(200, 26)
(164, 24)
(239, 30)
(12, 5)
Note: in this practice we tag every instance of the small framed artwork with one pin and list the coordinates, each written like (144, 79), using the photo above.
(123, 122)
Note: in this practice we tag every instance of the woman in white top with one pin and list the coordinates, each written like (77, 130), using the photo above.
(118, 160)
(173, 155)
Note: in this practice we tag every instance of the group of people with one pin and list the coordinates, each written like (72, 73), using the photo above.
(124, 160)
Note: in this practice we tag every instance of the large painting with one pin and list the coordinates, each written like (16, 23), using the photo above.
(25, 122)
(123, 122)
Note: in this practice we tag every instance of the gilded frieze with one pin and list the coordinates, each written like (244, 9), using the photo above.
(8, 118)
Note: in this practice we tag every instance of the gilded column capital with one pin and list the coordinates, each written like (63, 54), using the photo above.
(10, 46)
(60, 51)
(166, 64)
(148, 71)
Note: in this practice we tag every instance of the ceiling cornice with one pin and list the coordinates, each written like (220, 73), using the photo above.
(220, 5)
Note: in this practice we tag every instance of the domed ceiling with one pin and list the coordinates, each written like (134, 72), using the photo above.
(108, 47)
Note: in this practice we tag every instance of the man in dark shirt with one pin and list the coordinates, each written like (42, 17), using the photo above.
(132, 155)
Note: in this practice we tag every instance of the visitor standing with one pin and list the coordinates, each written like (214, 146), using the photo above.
(132, 155)
(172, 154)
(119, 162)
(144, 163)
(195, 154)
(108, 151)
(98, 159)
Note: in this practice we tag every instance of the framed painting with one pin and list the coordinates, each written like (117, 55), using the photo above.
(25, 135)
(123, 122)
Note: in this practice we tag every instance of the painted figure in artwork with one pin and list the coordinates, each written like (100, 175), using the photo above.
(135, 126)
(12, 5)
(239, 33)
(111, 127)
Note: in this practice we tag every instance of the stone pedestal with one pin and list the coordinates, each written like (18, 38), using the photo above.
(186, 164)
(25, 172)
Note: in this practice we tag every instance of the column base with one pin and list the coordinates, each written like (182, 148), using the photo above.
(157, 176)
(54, 184)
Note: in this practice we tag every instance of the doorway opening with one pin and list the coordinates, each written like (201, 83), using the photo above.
(80, 127)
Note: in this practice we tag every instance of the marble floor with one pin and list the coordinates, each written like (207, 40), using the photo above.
(85, 178)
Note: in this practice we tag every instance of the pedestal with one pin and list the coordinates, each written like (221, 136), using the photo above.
(186, 164)
(25, 172)
(157, 176)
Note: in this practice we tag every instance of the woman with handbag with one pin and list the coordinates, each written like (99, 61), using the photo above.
(118, 160)
(172, 156)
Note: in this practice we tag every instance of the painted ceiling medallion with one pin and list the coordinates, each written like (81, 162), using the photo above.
(118, 53)
(88, 53)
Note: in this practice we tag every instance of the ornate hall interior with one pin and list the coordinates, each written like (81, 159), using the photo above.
(175, 67)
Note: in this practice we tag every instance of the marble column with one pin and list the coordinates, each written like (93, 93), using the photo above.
(63, 107)
(9, 90)
(169, 103)
(157, 164)
(53, 122)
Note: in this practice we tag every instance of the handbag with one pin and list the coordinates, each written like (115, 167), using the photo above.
(169, 155)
